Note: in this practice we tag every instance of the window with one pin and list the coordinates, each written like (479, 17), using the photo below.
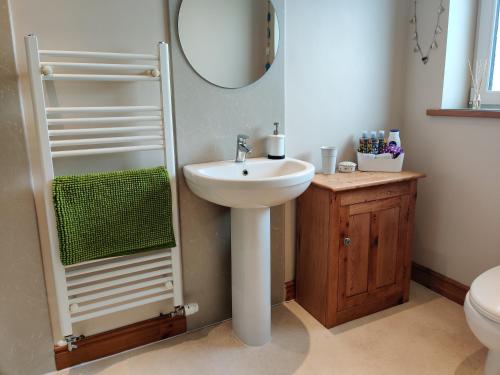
(488, 48)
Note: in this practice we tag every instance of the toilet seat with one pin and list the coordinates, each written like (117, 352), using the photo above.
(485, 294)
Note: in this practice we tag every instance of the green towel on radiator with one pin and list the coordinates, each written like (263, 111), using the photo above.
(102, 215)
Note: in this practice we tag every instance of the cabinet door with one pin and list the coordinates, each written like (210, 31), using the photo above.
(384, 232)
(371, 251)
(355, 256)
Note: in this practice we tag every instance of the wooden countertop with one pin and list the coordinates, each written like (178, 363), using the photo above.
(358, 180)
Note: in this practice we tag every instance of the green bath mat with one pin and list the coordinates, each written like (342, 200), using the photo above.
(103, 215)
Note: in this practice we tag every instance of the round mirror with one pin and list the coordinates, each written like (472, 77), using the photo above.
(230, 43)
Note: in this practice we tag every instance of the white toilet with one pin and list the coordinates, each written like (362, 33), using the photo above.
(482, 309)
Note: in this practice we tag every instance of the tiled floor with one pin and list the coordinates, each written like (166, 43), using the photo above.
(428, 335)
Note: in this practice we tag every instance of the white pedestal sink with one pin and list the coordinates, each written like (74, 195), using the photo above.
(250, 189)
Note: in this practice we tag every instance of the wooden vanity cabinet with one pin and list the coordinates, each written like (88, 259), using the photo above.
(354, 234)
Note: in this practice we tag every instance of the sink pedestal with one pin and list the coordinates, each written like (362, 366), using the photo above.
(250, 188)
(251, 274)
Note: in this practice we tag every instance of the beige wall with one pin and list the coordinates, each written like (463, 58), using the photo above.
(458, 206)
(25, 337)
(121, 26)
(345, 66)
(208, 119)
(345, 72)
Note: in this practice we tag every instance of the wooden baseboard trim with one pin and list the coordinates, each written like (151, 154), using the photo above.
(290, 290)
(439, 283)
(433, 280)
(120, 339)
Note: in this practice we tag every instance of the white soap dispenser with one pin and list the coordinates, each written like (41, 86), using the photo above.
(276, 144)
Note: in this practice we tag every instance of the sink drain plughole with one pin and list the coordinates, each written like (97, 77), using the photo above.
(245, 172)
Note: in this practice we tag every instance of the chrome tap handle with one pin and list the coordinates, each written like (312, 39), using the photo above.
(242, 138)
(242, 148)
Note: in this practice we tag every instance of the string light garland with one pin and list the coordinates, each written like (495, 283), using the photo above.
(437, 30)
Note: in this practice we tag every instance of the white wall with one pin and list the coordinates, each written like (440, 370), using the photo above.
(345, 65)
(329, 42)
(344, 72)
(458, 205)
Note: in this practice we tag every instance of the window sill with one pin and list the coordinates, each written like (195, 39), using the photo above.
(478, 113)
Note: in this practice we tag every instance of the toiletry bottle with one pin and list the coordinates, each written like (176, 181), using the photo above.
(394, 138)
(374, 141)
(363, 142)
(367, 142)
(381, 141)
(276, 144)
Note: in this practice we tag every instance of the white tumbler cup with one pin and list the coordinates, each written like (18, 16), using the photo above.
(329, 159)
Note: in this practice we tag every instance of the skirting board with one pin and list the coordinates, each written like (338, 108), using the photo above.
(120, 339)
(290, 290)
(433, 280)
(439, 283)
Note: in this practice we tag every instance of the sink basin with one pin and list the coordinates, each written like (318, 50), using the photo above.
(250, 188)
(256, 183)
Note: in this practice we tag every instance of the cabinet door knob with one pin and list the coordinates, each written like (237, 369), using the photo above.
(347, 241)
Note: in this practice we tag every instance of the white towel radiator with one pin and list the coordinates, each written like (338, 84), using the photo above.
(97, 288)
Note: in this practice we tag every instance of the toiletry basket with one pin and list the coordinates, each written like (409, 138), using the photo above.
(368, 163)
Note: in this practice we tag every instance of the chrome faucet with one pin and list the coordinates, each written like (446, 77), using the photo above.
(242, 148)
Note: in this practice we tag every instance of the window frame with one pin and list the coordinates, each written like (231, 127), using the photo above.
(486, 33)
